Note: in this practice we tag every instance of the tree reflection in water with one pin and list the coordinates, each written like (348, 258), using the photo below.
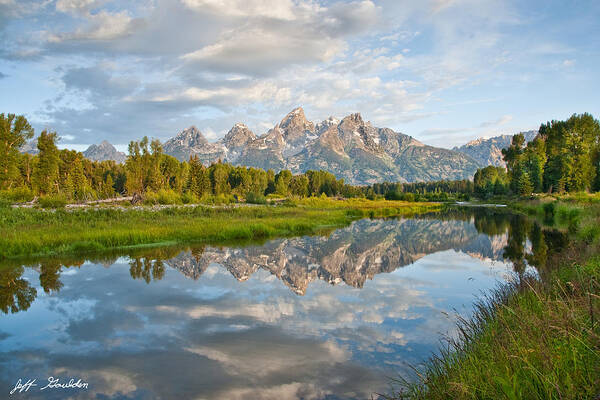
(15, 292)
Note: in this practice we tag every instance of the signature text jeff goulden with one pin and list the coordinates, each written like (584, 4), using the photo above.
(53, 383)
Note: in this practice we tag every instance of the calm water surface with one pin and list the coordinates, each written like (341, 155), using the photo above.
(303, 318)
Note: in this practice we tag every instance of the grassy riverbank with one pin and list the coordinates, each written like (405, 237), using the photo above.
(36, 232)
(532, 339)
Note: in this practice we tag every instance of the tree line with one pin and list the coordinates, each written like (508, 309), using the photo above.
(147, 171)
(423, 191)
(564, 157)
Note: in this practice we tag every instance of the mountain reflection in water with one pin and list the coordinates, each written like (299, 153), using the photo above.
(308, 317)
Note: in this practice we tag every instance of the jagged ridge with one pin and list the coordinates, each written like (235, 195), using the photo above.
(352, 149)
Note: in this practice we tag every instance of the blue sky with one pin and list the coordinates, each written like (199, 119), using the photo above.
(443, 71)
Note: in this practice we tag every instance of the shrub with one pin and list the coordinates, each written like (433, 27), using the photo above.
(150, 198)
(255, 198)
(189, 198)
(217, 200)
(394, 196)
(53, 201)
(17, 195)
(409, 197)
(168, 196)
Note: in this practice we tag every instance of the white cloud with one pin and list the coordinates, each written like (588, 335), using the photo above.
(281, 9)
(259, 51)
(217, 62)
(101, 26)
(75, 5)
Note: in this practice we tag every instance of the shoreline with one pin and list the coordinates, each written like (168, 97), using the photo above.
(538, 338)
(31, 233)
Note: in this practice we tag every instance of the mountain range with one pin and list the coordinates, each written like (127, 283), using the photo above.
(95, 152)
(350, 148)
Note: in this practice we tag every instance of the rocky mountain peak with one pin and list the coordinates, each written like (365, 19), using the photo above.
(352, 149)
(356, 118)
(329, 139)
(103, 152)
(475, 142)
(295, 127)
(190, 142)
(354, 131)
(326, 124)
(352, 122)
(238, 136)
(189, 137)
(294, 117)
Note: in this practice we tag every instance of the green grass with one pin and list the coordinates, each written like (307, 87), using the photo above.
(578, 213)
(34, 232)
(530, 342)
(535, 339)
(52, 201)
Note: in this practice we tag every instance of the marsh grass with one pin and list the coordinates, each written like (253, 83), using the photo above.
(35, 232)
(524, 341)
(577, 213)
(52, 201)
(530, 339)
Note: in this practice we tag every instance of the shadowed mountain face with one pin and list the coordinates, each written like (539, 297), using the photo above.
(352, 149)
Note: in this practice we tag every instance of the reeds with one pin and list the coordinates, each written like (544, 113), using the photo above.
(529, 339)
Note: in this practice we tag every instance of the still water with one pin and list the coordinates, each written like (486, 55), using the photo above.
(322, 317)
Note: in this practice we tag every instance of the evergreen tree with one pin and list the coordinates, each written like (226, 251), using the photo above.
(134, 166)
(512, 158)
(193, 178)
(204, 183)
(108, 190)
(489, 181)
(525, 186)
(46, 172)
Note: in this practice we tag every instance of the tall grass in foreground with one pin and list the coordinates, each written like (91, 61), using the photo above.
(28, 232)
(531, 339)
(523, 342)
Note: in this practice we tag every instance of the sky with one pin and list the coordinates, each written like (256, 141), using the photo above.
(442, 71)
